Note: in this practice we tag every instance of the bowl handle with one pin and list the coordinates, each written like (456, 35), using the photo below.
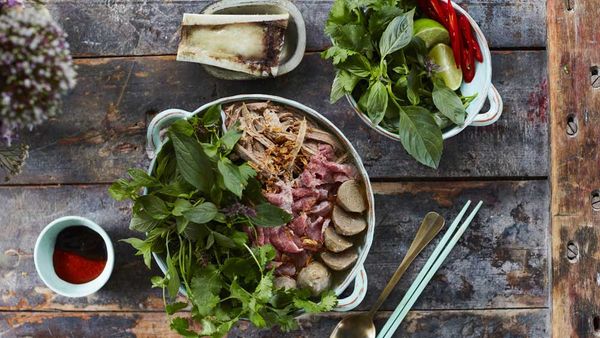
(492, 115)
(358, 294)
(158, 123)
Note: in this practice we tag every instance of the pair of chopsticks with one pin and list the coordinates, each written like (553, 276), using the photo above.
(434, 262)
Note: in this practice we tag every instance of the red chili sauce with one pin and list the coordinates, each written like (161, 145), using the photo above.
(79, 254)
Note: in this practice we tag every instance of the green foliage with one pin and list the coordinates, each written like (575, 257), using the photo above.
(186, 214)
(386, 69)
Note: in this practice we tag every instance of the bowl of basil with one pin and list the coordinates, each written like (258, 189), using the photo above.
(385, 72)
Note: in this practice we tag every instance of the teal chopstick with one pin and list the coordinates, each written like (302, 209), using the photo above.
(433, 264)
(436, 252)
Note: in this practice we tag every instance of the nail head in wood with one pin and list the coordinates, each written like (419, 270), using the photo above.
(595, 76)
(572, 126)
(572, 252)
(596, 200)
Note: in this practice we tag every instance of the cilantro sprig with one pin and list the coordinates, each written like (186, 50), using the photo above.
(195, 205)
(386, 69)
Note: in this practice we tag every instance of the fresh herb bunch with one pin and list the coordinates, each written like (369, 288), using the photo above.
(197, 203)
(386, 69)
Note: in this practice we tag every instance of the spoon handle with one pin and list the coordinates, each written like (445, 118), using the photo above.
(429, 228)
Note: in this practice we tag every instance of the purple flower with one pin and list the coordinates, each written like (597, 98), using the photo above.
(10, 3)
(239, 209)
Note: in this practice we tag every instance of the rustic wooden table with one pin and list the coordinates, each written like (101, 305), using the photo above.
(496, 283)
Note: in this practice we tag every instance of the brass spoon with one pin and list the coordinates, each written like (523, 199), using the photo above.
(361, 325)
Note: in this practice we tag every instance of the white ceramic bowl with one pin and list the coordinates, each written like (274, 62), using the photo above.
(44, 248)
(481, 85)
(341, 281)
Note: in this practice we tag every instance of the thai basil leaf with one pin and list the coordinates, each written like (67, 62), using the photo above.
(192, 162)
(449, 104)
(358, 65)
(413, 86)
(377, 102)
(420, 135)
(212, 116)
(397, 34)
(173, 277)
(269, 215)
(153, 206)
(230, 138)
(142, 222)
(202, 213)
(232, 177)
(143, 248)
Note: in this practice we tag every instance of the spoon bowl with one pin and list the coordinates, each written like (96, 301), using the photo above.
(355, 326)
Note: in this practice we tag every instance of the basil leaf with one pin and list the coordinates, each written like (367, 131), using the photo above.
(141, 178)
(174, 283)
(269, 215)
(230, 138)
(181, 223)
(420, 135)
(232, 178)
(413, 86)
(153, 206)
(449, 104)
(192, 162)
(175, 307)
(142, 222)
(358, 65)
(397, 34)
(377, 102)
(343, 83)
(212, 116)
(202, 213)
(143, 248)
(223, 240)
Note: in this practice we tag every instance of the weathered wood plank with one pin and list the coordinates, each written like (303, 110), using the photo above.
(125, 27)
(500, 263)
(102, 130)
(418, 324)
(573, 70)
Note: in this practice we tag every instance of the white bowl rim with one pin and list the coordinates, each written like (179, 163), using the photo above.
(65, 288)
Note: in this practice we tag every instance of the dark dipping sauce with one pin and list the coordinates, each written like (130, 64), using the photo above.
(79, 254)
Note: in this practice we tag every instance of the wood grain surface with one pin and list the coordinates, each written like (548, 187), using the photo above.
(501, 262)
(574, 58)
(102, 130)
(122, 27)
(418, 324)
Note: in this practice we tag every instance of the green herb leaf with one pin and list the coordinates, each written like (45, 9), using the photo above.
(413, 86)
(354, 37)
(212, 116)
(173, 283)
(397, 35)
(193, 164)
(420, 135)
(180, 206)
(264, 254)
(153, 206)
(449, 103)
(264, 289)
(175, 307)
(142, 222)
(230, 138)
(202, 213)
(380, 19)
(205, 286)
(143, 249)
(141, 178)
(269, 215)
(377, 102)
(224, 241)
(343, 83)
(358, 65)
(327, 303)
(181, 326)
(182, 224)
(232, 177)
(337, 54)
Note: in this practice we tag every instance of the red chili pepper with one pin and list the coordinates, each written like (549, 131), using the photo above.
(468, 64)
(440, 14)
(455, 36)
(427, 9)
(470, 40)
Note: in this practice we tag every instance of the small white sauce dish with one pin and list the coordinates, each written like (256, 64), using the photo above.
(44, 249)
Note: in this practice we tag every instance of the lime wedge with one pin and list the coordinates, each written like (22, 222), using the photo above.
(431, 31)
(442, 55)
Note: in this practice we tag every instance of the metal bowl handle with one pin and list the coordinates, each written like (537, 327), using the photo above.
(358, 294)
(158, 123)
(495, 111)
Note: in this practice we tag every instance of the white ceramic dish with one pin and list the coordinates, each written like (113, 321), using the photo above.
(294, 43)
(481, 85)
(357, 273)
(44, 248)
